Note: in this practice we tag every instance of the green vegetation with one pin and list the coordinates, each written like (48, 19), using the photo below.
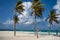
(52, 17)
(38, 8)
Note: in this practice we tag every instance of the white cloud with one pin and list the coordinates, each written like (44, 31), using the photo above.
(8, 22)
(57, 7)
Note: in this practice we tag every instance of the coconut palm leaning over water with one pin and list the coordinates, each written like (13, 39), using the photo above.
(52, 17)
(19, 9)
(37, 11)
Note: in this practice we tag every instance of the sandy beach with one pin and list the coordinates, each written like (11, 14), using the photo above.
(8, 35)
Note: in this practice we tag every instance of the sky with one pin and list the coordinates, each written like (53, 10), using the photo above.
(26, 22)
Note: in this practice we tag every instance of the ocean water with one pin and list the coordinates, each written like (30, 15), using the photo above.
(52, 32)
(40, 32)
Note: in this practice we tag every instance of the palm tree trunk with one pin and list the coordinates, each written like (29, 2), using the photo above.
(49, 29)
(56, 31)
(35, 27)
(14, 29)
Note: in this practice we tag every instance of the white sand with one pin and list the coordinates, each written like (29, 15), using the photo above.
(8, 35)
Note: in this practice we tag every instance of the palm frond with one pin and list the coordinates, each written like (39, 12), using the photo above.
(38, 8)
(57, 14)
(18, 3)
(56, 21)
(35, 0)
(55, 17)
(52, 12)
(16, 19)
(19, 7)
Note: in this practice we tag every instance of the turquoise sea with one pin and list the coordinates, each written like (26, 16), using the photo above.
(52, 32)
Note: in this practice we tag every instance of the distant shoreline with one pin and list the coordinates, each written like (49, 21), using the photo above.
(33, 30)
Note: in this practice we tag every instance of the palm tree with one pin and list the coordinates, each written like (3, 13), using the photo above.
(15, 21)
(19, 9)
(37, 11)
(52, 17)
